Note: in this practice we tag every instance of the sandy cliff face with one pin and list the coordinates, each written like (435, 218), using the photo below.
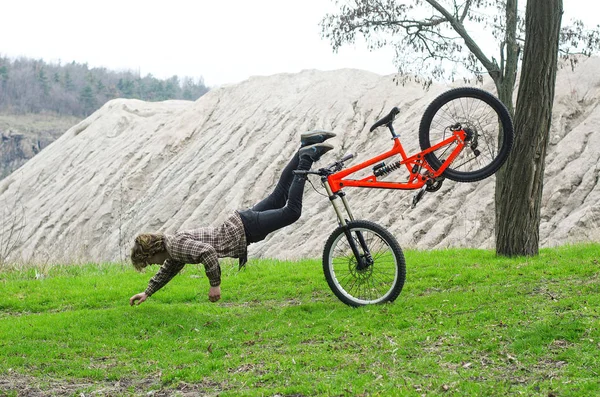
(134, 166)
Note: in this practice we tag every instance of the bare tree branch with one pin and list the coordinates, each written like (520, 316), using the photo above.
(465, 11)
(490, 66)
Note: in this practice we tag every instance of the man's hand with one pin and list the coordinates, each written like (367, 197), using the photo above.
(141, 297)
(214, 294)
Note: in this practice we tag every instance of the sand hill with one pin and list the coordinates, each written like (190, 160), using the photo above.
(134, 166)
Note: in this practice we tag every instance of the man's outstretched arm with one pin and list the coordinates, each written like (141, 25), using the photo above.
(167, 271)
(209, 258)
(189, 250)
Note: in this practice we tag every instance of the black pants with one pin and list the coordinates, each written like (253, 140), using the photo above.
(282, 207)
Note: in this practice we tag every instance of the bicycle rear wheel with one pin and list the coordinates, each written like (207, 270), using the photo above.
(483, 117)
(377, 277)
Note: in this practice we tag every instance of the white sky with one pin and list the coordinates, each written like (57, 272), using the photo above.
(224, 41)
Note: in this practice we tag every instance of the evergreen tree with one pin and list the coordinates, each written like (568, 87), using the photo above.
(126, 87)
(100, 87)
(3, 82)
(43, 81)
(3, 74)
(69, 86)
(172, 87)
(28, 85)
(88, 100)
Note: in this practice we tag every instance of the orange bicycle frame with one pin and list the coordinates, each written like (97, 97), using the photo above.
(414, 164)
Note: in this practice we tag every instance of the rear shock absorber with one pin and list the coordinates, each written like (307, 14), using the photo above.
(382, 169)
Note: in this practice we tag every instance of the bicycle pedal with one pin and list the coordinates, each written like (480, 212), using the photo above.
(417, 197)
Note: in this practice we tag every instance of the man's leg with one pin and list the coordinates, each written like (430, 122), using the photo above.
(270, 220)
(273, 219)
(279, 196)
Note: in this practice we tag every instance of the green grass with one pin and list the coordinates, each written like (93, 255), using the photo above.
(466, 324)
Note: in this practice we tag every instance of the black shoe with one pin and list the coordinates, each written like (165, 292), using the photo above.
(317, 136)
(314, 152)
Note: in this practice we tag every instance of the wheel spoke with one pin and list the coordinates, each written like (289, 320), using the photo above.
(474, 113)
(376, 280)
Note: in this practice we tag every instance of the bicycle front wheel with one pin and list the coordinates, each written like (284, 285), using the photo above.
(376, 276)
(489, 133)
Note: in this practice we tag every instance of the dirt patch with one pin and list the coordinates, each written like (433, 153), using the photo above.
(28, 386)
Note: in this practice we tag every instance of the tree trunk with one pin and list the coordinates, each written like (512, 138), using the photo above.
(519, 186)
(505, 83)
(509, 57)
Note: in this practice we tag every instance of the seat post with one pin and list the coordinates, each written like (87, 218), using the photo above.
(391, 127)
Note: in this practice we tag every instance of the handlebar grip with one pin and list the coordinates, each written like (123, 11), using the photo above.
(387, 119)
(340, 162)
(347, 157)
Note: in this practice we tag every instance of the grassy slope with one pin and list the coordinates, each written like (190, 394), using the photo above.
(466, 323)
(36, 123)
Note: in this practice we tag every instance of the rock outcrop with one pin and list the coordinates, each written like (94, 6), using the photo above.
(136, 167)
(24, 136)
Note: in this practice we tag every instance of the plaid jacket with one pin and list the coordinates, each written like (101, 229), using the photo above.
(204, 245)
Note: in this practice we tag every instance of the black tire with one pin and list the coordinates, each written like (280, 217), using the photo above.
(484, 115)
(380, 282)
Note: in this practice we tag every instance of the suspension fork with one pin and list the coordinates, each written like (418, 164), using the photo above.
(363, 261)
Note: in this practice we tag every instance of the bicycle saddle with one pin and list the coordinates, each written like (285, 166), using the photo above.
(387, 119)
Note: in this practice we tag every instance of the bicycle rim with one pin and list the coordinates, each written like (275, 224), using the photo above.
(484, 150)
(373, 285)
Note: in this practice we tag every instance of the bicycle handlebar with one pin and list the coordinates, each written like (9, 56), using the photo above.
(387, 120)
(330, 169)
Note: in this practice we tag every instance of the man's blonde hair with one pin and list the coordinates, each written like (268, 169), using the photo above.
(144, 246)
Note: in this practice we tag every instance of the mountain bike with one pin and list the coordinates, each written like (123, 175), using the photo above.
(465, 135)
